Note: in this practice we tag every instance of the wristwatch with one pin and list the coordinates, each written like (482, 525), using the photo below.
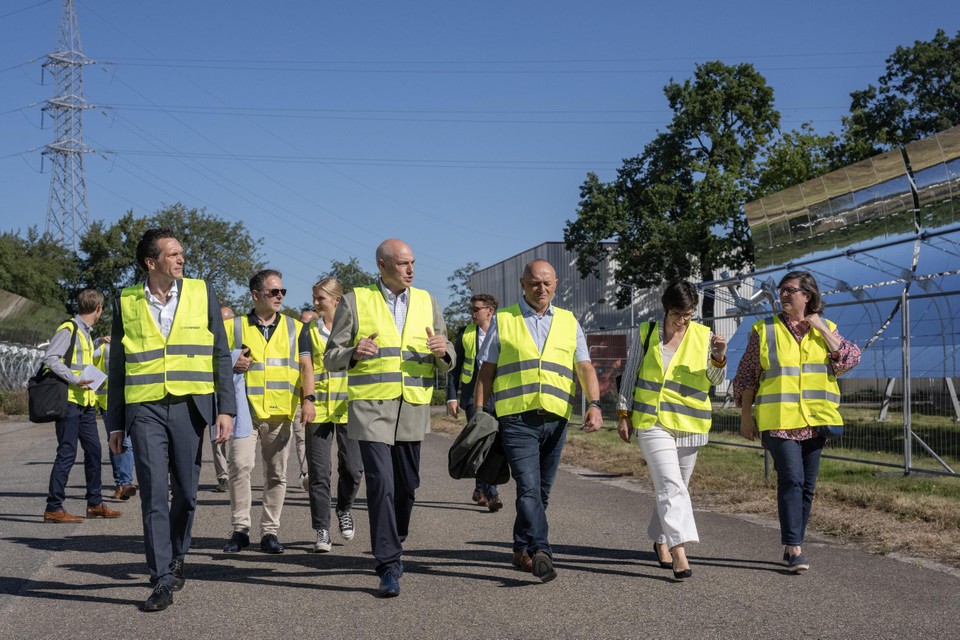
(310, 397)
(595, 403)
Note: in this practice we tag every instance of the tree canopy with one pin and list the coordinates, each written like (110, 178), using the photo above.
(457, 313)
(675, 210)
(350, 274)
(38, 268)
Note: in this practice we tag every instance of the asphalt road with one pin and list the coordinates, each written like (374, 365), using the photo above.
(88, 580)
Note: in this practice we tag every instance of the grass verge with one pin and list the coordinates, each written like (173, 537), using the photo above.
(885, 513)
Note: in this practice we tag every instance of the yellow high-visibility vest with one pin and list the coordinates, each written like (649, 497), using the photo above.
(680, 397)
(403, 366)
(101, 362)
(469, 342)
(331, 386)
(797, 386)
(273, 379)
(527, 379)
(181, 364)
(82, 356)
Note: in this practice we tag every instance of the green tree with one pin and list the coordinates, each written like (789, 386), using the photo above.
(918, 96)
(38, 268)
(350, 274)
(216, 250)
(457, 312)
(675, 210)
(795, 157)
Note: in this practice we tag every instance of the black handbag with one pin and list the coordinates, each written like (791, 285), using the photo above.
(47, 393)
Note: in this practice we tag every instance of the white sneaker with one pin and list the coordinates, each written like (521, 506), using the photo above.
(345, 520)
(305, 481)
(323, 542)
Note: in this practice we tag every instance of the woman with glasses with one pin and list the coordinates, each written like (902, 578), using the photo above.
(789, 371)
(664, 398)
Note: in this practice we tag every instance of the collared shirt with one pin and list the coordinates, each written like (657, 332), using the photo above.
(163, 312)
(57, 349)
(304, 342)
(397, 304)
(539, 327)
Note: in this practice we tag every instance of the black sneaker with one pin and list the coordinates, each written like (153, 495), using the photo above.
(345, 520)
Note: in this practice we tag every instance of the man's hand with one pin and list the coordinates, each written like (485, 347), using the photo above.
(453, 408)
(624, 429)
(308, 412)
(224, 427)
(84, 384)
(116, 442)
(366, 348)
(592, 421)
(243, 362)
(436, 344)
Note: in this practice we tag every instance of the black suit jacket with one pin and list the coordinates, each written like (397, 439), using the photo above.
(120, 415)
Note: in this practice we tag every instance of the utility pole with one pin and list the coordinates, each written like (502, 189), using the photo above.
(67, 213)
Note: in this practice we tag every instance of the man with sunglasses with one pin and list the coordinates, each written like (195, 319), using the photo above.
(391, 339)
(277, 362)
(463, 378)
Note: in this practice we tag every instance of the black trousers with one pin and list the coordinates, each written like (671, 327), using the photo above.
(392, 474)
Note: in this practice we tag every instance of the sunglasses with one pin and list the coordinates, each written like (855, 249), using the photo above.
(790, 290)
(273, 293)
(475, 309)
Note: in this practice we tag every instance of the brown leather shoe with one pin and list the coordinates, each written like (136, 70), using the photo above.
(125, 492)
(102, 511)
(522, 561)
(60, 516)
(494, 504)
(477, 494)
(483, 502)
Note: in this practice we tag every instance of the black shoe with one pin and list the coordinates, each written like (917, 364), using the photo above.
(389, 585)
(222, 486)
(239, 540)
(176, 567)
(680, 575)
(656, 552)
(543, 566)
(270, 544)
(160, 599)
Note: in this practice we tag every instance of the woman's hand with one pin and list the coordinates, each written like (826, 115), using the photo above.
(718, 347)
(748, 428)
(624, 429)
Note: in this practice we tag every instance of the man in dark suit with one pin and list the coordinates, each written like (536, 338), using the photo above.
(170, 358)
(391, 338)
(463, 378)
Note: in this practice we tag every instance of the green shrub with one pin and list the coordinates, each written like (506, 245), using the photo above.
(13, 403)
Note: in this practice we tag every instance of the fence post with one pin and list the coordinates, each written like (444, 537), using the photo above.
(905, 353)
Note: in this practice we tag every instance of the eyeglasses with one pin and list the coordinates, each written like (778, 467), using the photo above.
(475, 309)
(790, 290)
(686, 317)
(273, 293)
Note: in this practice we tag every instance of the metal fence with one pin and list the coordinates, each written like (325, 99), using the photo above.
(17, 364)
(900, 406)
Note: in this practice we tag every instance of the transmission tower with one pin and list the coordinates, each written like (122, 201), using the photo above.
(67, 213)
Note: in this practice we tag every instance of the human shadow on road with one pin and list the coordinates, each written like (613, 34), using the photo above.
(87, 543)
(451, 506)
(26, 588)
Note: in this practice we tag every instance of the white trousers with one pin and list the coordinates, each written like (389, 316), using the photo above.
(670, 468)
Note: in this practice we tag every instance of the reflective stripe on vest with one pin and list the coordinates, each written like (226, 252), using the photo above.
(680, 398)
(797, 385)
(331, 386)
(469, 342)
(181, 364)
(527, 379)
(82, 356)
(273, 379)
(403, 364)
(102, 362)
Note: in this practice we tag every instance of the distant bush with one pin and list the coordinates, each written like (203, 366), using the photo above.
(13, 403)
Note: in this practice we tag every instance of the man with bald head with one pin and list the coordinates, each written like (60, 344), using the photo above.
(391, 339)
(529, 357)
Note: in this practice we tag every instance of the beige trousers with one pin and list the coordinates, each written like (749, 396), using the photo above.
(274, 436)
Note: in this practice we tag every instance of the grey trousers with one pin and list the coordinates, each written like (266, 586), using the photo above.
(167, 437)
(319, 438)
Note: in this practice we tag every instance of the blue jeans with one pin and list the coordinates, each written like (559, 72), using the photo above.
(79, 425)
(533, 443)
(797, 463)
(122, 464)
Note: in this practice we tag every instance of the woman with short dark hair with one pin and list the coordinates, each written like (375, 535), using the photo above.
(789, 372)
(664, 398)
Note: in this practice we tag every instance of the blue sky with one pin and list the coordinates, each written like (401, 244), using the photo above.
(465, 128)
